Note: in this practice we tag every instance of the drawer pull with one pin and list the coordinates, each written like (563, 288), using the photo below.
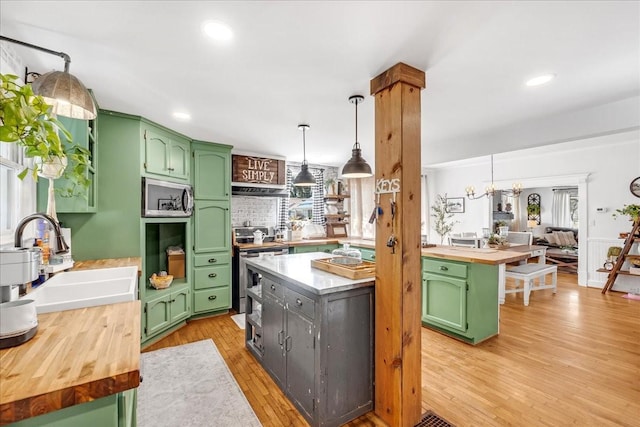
(212, 297)
(273, 287)
(373, 257)
(298, 302)
(212, 260)
(444, 268)
(212, 275)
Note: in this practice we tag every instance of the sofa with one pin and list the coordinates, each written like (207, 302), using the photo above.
(558, 237)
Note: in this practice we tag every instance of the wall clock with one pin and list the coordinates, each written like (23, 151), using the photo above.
(635, 187)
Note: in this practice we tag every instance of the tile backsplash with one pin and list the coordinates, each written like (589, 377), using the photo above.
(261, 211)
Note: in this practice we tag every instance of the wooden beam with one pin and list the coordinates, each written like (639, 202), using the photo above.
(398, 275)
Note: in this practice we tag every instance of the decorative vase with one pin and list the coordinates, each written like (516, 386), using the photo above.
(52, 167)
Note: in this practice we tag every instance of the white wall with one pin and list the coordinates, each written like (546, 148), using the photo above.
(611, 163)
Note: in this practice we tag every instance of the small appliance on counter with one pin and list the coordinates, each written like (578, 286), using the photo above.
(18, 318)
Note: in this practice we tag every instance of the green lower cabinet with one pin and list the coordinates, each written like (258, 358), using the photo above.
(212, 299)
(117, 410)
(367, 254)
(313, 248)
(164, 310)
(460, 299)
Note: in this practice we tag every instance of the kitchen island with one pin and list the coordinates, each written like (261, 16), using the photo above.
(460, 290)
(81, 369)
(312, 331)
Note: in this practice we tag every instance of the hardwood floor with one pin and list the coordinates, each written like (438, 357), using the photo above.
(567, 359)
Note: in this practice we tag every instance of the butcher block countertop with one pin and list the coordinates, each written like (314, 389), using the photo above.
(108, 263)
(474, 255)
(77, 356)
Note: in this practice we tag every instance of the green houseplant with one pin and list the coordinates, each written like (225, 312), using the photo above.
(25, 120)
(533, 210)
(633, 211)
(441, 215)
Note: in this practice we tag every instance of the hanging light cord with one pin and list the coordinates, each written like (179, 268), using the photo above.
(357, 144)
(304, 146)
(492, 170)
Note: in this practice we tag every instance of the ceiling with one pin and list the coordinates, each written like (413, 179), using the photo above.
(298, 62)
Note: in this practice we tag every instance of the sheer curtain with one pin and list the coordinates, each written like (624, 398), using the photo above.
(361, 205)
(561, 208)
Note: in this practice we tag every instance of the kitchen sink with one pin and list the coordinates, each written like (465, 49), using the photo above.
(86, 288)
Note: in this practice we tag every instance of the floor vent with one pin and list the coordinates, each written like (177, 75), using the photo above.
(430, 419)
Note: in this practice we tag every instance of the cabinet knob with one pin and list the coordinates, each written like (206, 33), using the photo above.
(443, 268)
(212, 297)
(212, 260)
(212, 275)
(298, 302)
(273, 287)
(373, 257)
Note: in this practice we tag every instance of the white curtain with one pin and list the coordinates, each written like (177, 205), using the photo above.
(318, 198)
(561, 208)
(361, 205)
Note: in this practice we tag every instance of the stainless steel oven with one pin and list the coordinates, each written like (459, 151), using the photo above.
(240, 285)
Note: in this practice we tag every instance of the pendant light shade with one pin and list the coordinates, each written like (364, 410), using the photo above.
(304, 178)
(356, 167)
(63, 91)
(66, 94)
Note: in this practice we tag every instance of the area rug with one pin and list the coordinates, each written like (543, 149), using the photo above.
(239, 319)
(190, 386)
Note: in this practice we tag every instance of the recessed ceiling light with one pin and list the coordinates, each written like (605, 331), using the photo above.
(217, 30)
(182, 116)
(540, 80)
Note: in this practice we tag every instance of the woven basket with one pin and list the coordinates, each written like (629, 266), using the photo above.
(161, 282)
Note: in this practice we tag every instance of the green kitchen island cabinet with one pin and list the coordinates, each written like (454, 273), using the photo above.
(116, 410)
(313, 333)
(460, 291)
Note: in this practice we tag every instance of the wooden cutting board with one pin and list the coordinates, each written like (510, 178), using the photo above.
(361, 271)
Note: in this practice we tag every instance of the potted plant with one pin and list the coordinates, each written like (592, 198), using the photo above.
(496, 240)
(441, 216)
(633, 211)
(330, 186)
(533, 210)
(25, 120)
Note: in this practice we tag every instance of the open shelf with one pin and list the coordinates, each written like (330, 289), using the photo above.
(254, 320)
(255, 292)
(622, 272)
(336, 196)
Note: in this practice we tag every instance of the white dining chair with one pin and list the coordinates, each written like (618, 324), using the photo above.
(520, 237)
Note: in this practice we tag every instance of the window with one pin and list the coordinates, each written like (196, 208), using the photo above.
(17, 197)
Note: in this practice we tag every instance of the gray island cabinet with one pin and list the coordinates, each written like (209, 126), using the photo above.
(313, 333)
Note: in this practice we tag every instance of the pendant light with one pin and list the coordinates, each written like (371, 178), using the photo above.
(60, 89)
(356, 167)
(304, 178)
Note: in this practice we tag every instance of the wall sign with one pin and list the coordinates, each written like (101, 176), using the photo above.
(258, 170)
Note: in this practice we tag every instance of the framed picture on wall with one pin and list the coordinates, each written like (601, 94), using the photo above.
(455, 204)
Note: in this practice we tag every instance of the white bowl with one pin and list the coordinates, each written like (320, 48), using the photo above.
(17, 317)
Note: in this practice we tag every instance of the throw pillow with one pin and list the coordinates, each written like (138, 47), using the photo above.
(560, 238)
(570, 238)
(549, 237)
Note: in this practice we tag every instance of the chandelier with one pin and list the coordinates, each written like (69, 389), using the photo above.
(490, 190)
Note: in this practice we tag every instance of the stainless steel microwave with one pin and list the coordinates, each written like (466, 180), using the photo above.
(166, 199)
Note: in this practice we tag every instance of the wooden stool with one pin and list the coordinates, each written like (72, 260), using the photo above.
(528, 272)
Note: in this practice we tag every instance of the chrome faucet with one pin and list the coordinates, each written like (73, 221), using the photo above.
(61, 244)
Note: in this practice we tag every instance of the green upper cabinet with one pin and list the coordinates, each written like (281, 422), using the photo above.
(82, 200)
(166, 155)
(212, 171)
(211, 226)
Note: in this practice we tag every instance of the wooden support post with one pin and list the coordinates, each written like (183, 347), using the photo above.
(398, 274)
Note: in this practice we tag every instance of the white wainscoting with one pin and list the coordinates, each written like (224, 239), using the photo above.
(597, 255)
